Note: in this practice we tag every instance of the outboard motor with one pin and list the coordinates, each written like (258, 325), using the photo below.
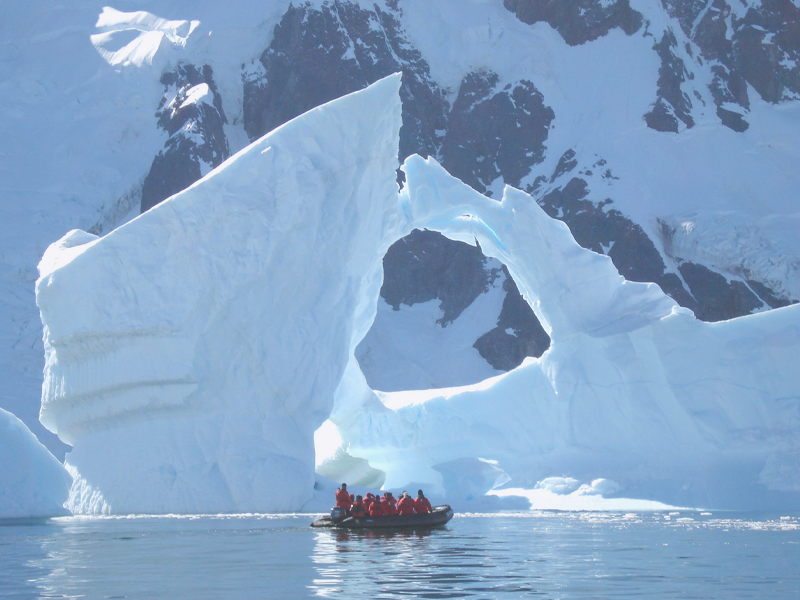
(337, 514)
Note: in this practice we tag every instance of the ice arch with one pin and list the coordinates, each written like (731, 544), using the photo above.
(192, 353)
(633, 389)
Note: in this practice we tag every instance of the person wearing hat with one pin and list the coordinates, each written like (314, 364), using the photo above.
(343, 497)
(405, 506)
(422, 505)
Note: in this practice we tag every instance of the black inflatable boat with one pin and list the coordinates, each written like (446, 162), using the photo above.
(339, 519)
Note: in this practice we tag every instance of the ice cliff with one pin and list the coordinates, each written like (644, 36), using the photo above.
(192, 353)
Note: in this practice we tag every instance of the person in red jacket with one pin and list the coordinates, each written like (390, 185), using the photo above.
(358, 510)
(343, 497)
(422, 505)
(389, 504)
(405, 506)
(376, 509)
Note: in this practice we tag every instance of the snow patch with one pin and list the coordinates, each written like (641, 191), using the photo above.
(135, 38)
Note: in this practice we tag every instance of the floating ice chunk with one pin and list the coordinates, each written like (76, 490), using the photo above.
(469, 478)
(32, 482)
(558, 485)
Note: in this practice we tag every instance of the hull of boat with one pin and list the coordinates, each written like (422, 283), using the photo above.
(439, 516)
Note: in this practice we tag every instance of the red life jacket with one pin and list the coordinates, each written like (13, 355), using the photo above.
(376, 510)
(388, 506)
(343, 499)
(367, 503)
(422, 505)
(405, 506)
(358, 509)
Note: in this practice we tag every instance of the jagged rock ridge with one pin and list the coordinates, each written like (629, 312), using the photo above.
(492, 136)
(191, 114)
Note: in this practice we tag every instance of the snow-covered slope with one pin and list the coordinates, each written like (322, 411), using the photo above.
(32, 482)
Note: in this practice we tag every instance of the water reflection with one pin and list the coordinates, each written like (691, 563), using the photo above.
(439, 563)
(21, 557)
(197, 558)
(500, 557)
(555, 556)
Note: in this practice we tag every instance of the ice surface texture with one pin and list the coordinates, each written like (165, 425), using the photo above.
(633, 388)
(192, 353)
(32, 482)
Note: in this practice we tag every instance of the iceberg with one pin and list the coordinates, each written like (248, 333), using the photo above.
(192, 354)
(634, 389)
(32, 482)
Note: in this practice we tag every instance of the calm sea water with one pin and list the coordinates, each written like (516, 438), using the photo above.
(530, 555)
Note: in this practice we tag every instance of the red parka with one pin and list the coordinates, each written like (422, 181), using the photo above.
(388, 505)
(343, 499)
(422, 505)
(405, 506)
(376, 509)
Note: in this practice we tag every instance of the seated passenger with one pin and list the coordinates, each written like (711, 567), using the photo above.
(388, 504)
(422, 505)
(376, 509)
(343, 497)
(358, 510)
(405, 506)
(368, 500)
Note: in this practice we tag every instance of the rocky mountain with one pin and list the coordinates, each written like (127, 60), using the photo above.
(491, 132)
(661, 133)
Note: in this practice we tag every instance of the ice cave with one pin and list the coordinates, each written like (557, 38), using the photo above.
(192, 354)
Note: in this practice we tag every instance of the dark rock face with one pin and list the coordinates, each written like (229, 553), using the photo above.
(518, 334)
(598, 227)
(604, 230)
(456, 274)
(495, 133)
(716, 298)
(319, 55)
(196, 135)
(578, 21)
(673, 103)
(760, 48)
(440, 268)
(766, 294)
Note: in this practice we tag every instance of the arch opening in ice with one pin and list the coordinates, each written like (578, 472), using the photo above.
(192, 353)
(447, 316)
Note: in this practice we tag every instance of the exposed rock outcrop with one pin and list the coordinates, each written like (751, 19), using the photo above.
(191, 114)
(496, 134)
